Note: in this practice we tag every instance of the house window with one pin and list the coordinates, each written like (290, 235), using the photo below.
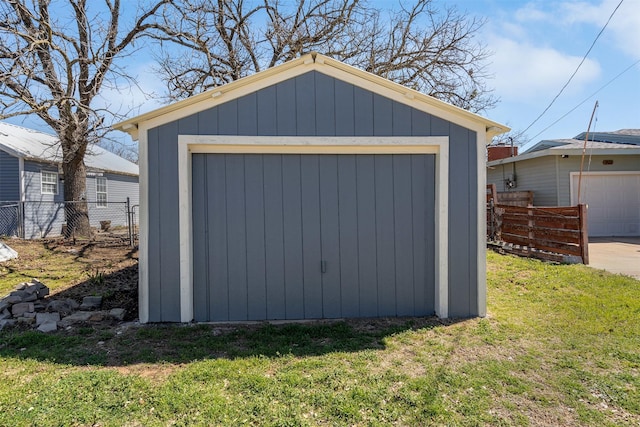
(49, 182)
(101, 192)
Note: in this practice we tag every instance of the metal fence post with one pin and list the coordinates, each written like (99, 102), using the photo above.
(129, 227)
(492, 220)
(21, 217)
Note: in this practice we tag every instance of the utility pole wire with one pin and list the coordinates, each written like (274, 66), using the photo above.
(587, 98)
(584, 150)
(576, 70)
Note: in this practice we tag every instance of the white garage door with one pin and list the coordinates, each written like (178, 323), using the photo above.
(613, 201)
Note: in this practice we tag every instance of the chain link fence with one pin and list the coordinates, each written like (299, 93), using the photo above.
(113, 222)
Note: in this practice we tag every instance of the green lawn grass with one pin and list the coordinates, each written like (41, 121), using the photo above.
(561, 346)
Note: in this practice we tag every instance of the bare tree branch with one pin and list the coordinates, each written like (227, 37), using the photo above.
(55, 67)
(415, 44)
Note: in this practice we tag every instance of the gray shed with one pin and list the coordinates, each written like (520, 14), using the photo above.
(311, 190)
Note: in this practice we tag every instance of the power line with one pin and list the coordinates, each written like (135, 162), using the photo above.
(584, 58)
(586, 99)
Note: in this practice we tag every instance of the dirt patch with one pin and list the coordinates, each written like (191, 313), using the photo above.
(75, 270)
(156, 373)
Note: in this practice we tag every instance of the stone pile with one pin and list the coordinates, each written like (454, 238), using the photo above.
(28, 304)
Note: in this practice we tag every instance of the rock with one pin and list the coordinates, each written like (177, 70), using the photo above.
(91, 303)
(30, 297)
(47, 318)
(43, 291)
(31, 288)
(38, 282)
(12, 299)
(5, 314)
(73, 303)
(97, 316)
(78, 316)
(117, 313)
(6, 322)
(27, 320)
(48, 327)
(39, 306)
(21, 294)
(29, 315)
(21, 286)
(22, 307)
(60, 306)
(3, 305)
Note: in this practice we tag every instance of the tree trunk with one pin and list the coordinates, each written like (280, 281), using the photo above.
(75, 189)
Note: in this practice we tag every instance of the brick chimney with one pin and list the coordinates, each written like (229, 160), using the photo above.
(497, 152)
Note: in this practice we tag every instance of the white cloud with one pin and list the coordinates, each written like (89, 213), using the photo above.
(530, 12)
(530, 73)
(624, 27)
(622, 33)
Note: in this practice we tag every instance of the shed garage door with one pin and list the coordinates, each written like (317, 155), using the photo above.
(312, 236)
(614, 203)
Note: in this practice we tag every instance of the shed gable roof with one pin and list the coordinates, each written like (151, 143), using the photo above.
(30, 144)
(304, 64)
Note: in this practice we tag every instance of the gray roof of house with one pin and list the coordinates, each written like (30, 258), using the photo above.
(628, 143)
(622, 136)
(39, 146)
(612, 139)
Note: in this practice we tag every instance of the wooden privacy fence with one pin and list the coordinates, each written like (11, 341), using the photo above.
(552, 233)
(515, 198)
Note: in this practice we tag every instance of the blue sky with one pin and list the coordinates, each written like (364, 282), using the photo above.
(536, 47)
(538, 44)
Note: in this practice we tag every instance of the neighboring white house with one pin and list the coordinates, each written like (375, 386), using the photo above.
(610, 178)
(31, 184)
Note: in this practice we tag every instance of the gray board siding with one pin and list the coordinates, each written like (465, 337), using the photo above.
(265, 224)
(549, 176)
(9, 194)
(9, 177)
(312, 104)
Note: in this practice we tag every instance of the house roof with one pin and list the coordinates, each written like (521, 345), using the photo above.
(30, 144)
(575, 146)
(304, 64)
(609, 139)
(622, 136)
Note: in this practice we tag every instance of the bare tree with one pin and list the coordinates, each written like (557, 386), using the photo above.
(54, 61)
(431, 50)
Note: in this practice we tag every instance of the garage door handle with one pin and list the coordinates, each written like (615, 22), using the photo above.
(323, 266)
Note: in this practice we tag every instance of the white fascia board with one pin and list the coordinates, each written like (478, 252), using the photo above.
(302, 65)
(481, 217)
(410, 97)
(143, 247)
(189, 144)
(215, 96)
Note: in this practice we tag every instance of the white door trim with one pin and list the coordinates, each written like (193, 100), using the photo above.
(188, 144)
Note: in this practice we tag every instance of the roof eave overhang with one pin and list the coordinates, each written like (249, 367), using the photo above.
(89, 168)
(311, 61)
(568, 152)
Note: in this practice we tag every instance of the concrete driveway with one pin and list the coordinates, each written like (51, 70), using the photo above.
(616, 254)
